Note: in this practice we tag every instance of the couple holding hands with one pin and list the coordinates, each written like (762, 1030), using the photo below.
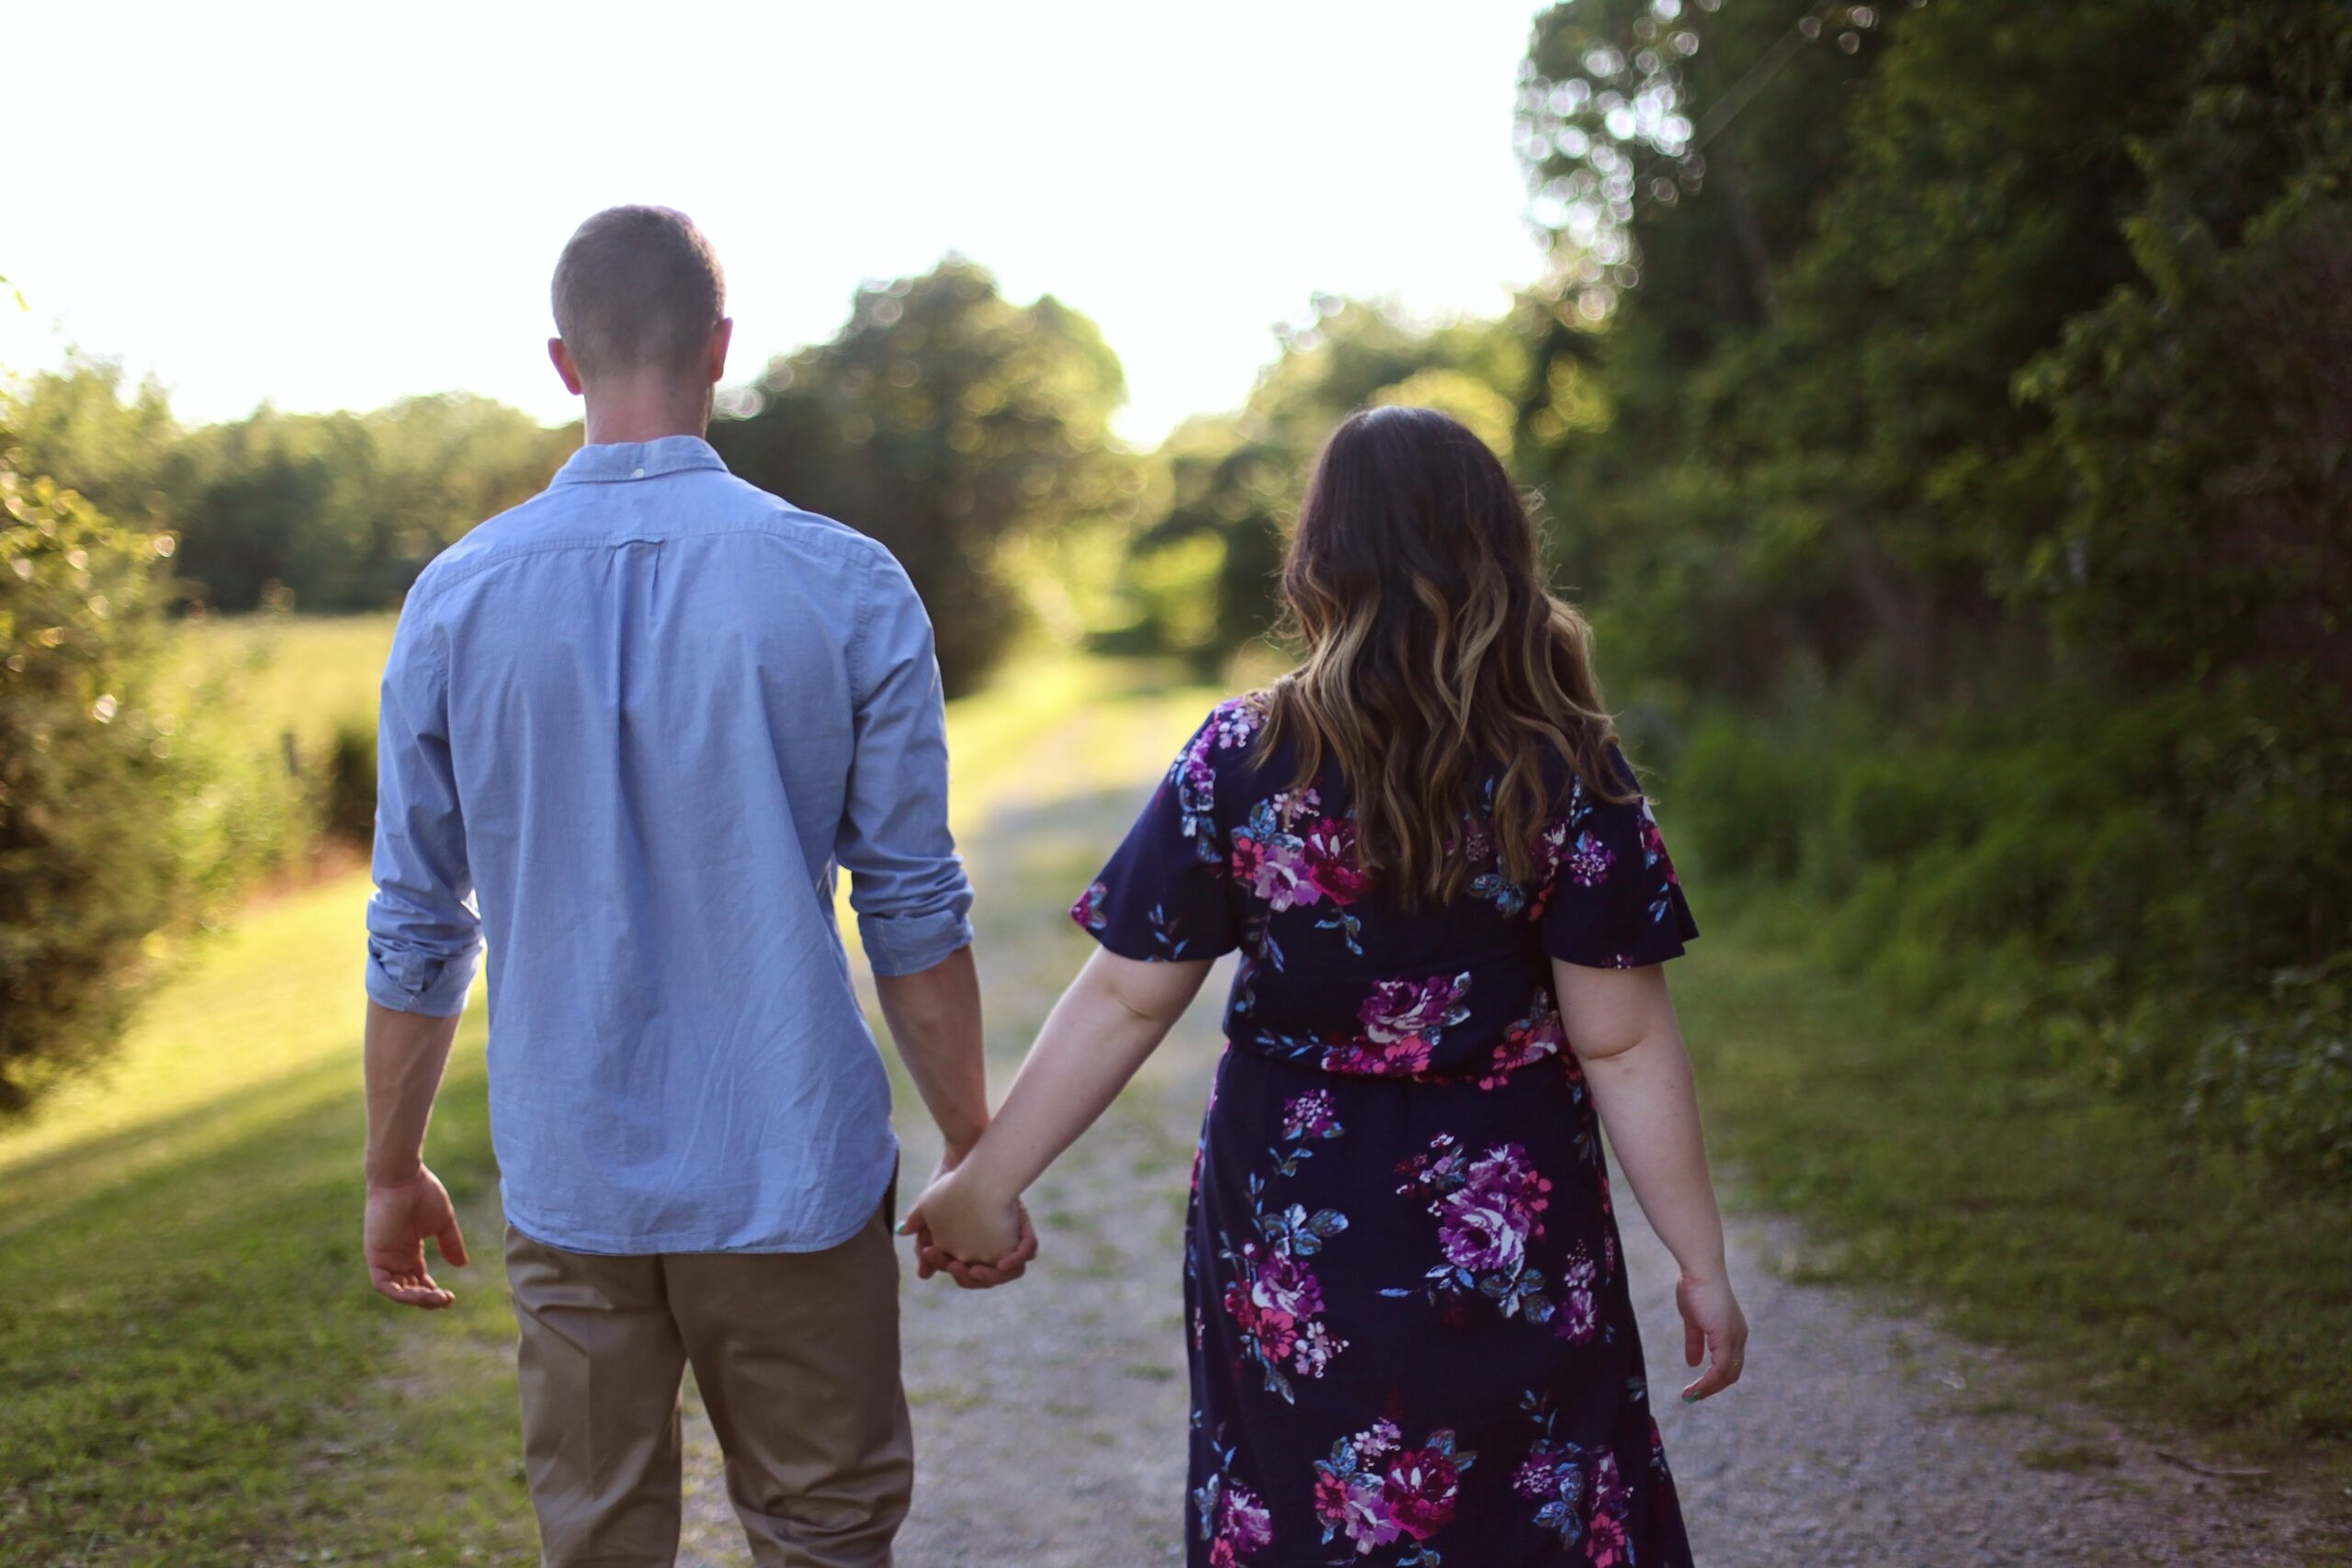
(629, 731)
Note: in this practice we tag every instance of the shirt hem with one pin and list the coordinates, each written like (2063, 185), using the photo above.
(608, 1246)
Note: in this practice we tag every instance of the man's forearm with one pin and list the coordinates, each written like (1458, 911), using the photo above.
(934, 1019)
(406, 1053)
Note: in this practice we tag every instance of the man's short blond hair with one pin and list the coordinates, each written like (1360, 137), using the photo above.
(637, 288)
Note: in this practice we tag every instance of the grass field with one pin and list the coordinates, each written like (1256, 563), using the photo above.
(297, 675)
(193, 1372)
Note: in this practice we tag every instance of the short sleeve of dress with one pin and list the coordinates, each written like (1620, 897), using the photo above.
(1168, 892)
(1613, 900)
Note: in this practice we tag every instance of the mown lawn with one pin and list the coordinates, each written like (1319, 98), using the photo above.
(195, 1370)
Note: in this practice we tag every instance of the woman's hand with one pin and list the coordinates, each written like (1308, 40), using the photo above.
(980, 1238)
(1712, 1325)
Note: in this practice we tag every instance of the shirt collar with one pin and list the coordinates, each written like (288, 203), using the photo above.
(618, 461)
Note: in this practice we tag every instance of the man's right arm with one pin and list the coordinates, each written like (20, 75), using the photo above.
(907, 882)
(934, 1019)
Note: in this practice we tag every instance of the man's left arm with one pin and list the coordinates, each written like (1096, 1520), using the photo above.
(907, 883)
(423, 943)
(406, 1203)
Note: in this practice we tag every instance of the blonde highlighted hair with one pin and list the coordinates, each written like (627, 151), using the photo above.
(1436, 659)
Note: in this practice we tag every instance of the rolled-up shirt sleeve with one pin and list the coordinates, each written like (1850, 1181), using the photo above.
(424, 935)
(907, 882)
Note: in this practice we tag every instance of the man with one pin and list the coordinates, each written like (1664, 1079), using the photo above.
(637, 721)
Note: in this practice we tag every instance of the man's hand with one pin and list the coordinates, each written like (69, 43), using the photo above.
(406, 1203)
(400, 1216)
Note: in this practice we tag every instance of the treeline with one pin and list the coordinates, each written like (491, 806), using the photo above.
(324, 513)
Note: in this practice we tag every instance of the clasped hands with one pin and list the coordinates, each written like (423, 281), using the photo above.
(961, 1228)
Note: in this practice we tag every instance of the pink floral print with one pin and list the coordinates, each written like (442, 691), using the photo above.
(1271, 1294)
(1580, 1490)
(1374, 1492)
(1488, 1206)
(1229, 1518)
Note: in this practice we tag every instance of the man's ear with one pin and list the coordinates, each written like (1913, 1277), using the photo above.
(720, 336)
(563, 366)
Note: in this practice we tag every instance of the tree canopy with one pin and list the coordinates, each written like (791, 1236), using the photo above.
(947, 421)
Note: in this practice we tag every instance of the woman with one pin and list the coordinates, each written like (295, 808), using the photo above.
(1411, 1338)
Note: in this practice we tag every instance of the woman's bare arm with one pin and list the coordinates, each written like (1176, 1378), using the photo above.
(1621, 1025)
(1113, 1015)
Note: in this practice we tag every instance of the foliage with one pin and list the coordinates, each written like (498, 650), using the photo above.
(950, 423)
(1204, 564)
(119, 449)
(104, 841)
(2044, 1214)
(348, 810)
(1928, 383)
(2202, 416)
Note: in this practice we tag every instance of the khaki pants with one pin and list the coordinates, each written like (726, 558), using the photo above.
(796, 1355)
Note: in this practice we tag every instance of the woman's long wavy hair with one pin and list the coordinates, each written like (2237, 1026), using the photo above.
(1435, 656)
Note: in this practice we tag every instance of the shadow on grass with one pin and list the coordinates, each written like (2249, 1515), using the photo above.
(187, 1350)
(52, 1187)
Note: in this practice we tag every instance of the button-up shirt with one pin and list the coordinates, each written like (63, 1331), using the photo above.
(629, 730)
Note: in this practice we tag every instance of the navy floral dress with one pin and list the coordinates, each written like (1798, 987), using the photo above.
(1411, 1339)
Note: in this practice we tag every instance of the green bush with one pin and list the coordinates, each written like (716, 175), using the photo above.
(2278, 1077)
(111, 832)
(348, 809)
(2152, 904)
(1743, 797)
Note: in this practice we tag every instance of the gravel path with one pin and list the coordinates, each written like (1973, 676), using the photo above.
(1050, 1416)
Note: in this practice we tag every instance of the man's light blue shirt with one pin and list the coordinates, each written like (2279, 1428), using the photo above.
(635, 723)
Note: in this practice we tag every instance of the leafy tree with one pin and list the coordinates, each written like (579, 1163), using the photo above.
(277, 514)
(2203, 415)
(1850, 233)
(122, 454)
(948, 422)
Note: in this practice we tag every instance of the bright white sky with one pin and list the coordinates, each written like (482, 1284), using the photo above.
(333, 205)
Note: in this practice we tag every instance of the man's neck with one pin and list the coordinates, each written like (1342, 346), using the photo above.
(640, 412)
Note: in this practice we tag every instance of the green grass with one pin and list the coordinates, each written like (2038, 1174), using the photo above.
(297, 675)
(193, 1372)
(2175, 1282)
(196, 1371)
(193, 1369)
